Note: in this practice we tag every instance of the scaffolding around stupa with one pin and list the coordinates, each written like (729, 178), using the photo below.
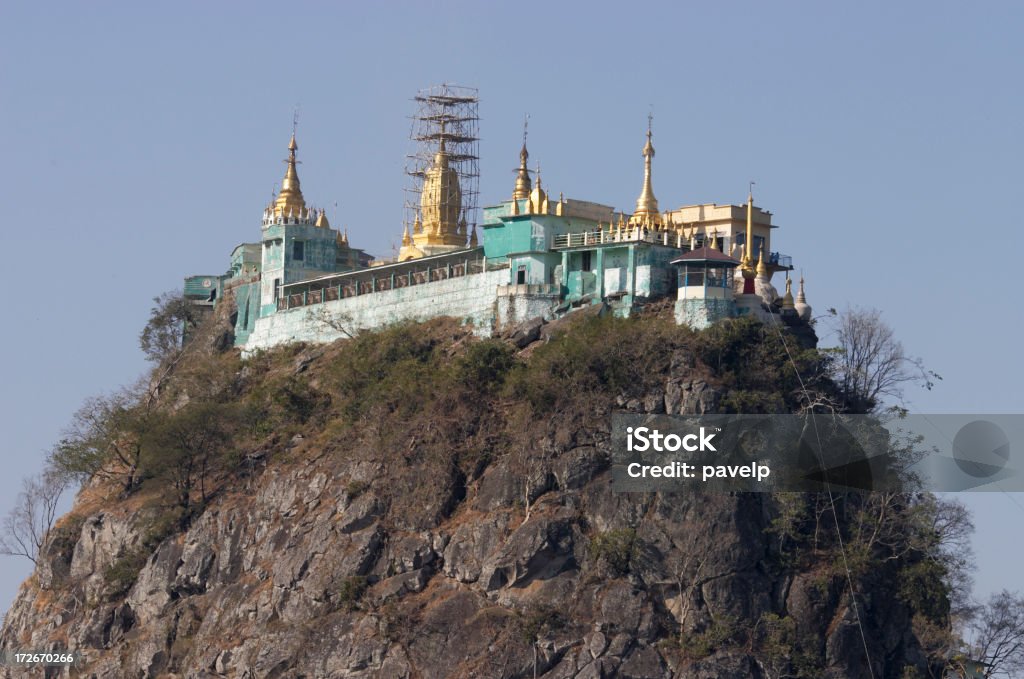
(446, 116)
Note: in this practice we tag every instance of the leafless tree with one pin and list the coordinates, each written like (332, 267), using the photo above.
(27, 525)
(872, 364)
(327, 322)
(997, 635)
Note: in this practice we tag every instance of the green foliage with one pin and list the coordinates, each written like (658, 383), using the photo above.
(596, 360)
(182, 447)
(351, 591)
(121, 575)
(170, 320)
(616, 549)
(721, 632)
(790, 524)
(924, 587)
(389, 369)
(781, 649)
(355, 488)
(486, 364)
(752, 361)
(103, 439)
(538, 621)
(297, 401)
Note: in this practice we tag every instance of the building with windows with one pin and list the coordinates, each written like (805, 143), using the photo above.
(536, 255)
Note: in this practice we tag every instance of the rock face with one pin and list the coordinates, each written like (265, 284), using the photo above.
(537, 569)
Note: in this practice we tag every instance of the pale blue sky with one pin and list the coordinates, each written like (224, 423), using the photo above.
(142, 142)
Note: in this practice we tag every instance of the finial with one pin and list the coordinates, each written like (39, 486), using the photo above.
(649, 146)
(803, 309)
(714, 239)
(762, 269)
(750, 193)
(523, 184)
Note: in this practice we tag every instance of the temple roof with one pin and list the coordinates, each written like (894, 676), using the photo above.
(706, 254)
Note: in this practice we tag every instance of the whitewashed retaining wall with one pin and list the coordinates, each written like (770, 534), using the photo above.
(470, 298)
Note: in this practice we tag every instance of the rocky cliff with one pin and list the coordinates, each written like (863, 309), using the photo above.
(420, 504)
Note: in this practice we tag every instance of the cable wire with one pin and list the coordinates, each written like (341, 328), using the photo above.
(828, 489)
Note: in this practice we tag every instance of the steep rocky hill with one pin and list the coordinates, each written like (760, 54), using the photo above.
(416, 503)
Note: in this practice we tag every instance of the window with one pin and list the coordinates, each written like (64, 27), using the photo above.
(521, 275)
(585, 261)
(277, 288)
(298, 250)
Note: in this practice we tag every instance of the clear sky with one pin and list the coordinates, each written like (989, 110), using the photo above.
(142, 141)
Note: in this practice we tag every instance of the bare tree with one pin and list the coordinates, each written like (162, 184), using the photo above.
(27, 525)
(872, 364)
(997, 635)
(331, 323)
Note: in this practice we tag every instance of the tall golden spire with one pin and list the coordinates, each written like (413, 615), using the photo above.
(290, 200)
(748, 252)
(747, 267)
(523, 184)
(647, 204)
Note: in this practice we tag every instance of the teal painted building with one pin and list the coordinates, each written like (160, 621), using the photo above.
(539, 257)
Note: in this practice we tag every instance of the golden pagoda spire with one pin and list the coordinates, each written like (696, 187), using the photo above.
(762, 268)
(800, 297)
(647, 204)
(406, 239)
(289, 200)
(523, 184)
(787, 299)
(714, 240)
(748, 251)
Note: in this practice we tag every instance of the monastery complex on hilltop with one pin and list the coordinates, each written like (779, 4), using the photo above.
(533, 255)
